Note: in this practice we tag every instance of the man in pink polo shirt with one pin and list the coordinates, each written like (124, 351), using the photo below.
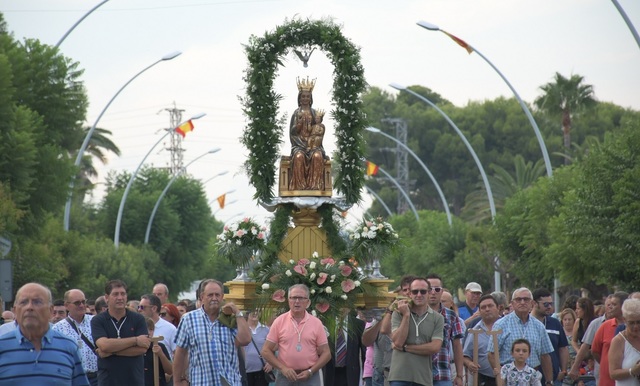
(301, 341)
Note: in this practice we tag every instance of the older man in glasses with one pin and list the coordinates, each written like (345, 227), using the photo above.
(519, 324)
(453, 333)
(77, 326)
(416, 336)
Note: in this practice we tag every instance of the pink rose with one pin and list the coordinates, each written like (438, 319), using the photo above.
(322, 307)
(246, 219)
(303, 262)
(322, 277)
(326, 261)
(345, 270)
(278, 296)
(348, 285)
(300, 269)
(239, 233)
(260, 235)
(226, 228)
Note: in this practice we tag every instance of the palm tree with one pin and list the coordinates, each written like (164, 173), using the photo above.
(98, 145)
(565, 97)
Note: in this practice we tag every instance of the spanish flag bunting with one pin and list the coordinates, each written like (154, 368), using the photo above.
(221, 200)
(460, 42)
(185, 128)
(372, 169)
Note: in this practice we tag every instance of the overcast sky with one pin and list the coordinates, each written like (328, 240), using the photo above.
(527, 40)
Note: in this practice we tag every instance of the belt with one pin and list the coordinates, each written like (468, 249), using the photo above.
(91, 374)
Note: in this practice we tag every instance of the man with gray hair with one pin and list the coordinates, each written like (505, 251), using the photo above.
(34, 353)
(520, 324)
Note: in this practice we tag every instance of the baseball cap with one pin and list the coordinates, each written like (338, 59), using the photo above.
(473, 287)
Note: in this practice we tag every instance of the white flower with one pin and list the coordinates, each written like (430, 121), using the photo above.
(239, 242)
(312, 265)
(365, 229)
(312, 292)
(315, 255)
(265, 286)
(356, 283)
(288, 273)
(333, 278)
(312, 276)
(313, 312)
(341, 263)
(343, 297)
(380, 226)
(356, 236)
(371, 234)
(291, 261)
(328, 290)
(364, 234)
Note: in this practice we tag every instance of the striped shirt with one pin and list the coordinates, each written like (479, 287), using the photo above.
(513, 328)
(211, 347)
(56, 364)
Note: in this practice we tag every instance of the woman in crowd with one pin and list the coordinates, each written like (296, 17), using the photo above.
(624, 353)
(568, 318)
(170, 313)
(585, 313)
(254, 364)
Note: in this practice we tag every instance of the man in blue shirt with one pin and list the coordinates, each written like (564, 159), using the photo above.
(542, 310)
(34, 354)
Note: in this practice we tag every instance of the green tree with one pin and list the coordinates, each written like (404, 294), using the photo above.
(565, 97)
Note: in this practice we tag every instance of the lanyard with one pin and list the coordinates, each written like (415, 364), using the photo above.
(116, 326)
(299, 332)
(418, 323)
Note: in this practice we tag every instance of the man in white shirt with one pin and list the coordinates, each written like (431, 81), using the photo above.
(150, 307)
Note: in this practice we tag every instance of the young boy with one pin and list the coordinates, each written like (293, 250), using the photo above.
(164, 363)
(518, 373)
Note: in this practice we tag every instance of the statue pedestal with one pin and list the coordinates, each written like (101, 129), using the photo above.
(242, 293)
(379, 298)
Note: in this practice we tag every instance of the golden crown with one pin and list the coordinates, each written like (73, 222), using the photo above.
(306, 84)
(319, 113)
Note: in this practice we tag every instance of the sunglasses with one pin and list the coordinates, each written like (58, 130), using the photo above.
(436, 289)
(140, 308)
(547, 304)
(420, 291)
(79, 303)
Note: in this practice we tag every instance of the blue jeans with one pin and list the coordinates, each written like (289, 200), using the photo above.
(442, 383)
(368, 381)
(378, 378)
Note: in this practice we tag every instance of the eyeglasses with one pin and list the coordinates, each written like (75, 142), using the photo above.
(546, 304)
(435, 289)
(78, 303)
(420, 291)
(298, 298)
(632, 323)
(141, 307)
(521, 300)
(163, 314)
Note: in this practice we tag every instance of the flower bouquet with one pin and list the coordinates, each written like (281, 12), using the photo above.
(332, 285)
(372, 240)
(241, 241)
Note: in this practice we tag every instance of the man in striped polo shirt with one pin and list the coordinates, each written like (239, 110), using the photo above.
(33, 353)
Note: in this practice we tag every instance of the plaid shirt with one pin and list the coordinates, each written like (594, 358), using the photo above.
(452, 330)
(212, 350)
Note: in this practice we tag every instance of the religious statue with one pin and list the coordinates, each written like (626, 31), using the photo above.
(306, 134)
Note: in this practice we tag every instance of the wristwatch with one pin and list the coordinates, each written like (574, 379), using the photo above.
(548, 383)
(239, 314)
(404, 348)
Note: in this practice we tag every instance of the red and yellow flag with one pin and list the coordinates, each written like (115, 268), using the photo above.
(372, 169)
(460, 42)
(221, 200)
(185, 128)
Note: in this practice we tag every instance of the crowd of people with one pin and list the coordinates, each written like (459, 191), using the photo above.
(422, 338)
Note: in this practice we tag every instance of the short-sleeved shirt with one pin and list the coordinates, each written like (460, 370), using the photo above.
(168, 332)
(483, 342)
(601, 344)
(56, 364)
(117, 370)
(287, 334)
(423, 328)
(513, 328)
(512, 376)
(212, 350)
(252, 361)
(452, 330)
(558, 339)
(463, 310)
(88, 357)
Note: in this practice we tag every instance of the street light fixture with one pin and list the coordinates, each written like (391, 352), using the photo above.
(426, 169)
(470, 49)
(116, 236)
(485, 180)
(87, 138)
(155, 208)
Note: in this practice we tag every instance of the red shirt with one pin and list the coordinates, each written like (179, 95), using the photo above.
(601, 344)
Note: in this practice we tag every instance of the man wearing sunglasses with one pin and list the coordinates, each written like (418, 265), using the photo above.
(150, 306)
(416, 334)
(519, 324)
(77, 326)
(452, 334)
(542, 310)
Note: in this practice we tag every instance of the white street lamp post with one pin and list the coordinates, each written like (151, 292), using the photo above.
(543, 147)
(406, 196)
(426, 169)
(155, 208)
(78, 22)
(116, 236)
(628, 21)
(485, 180)
(87, 138)
(384, 205)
